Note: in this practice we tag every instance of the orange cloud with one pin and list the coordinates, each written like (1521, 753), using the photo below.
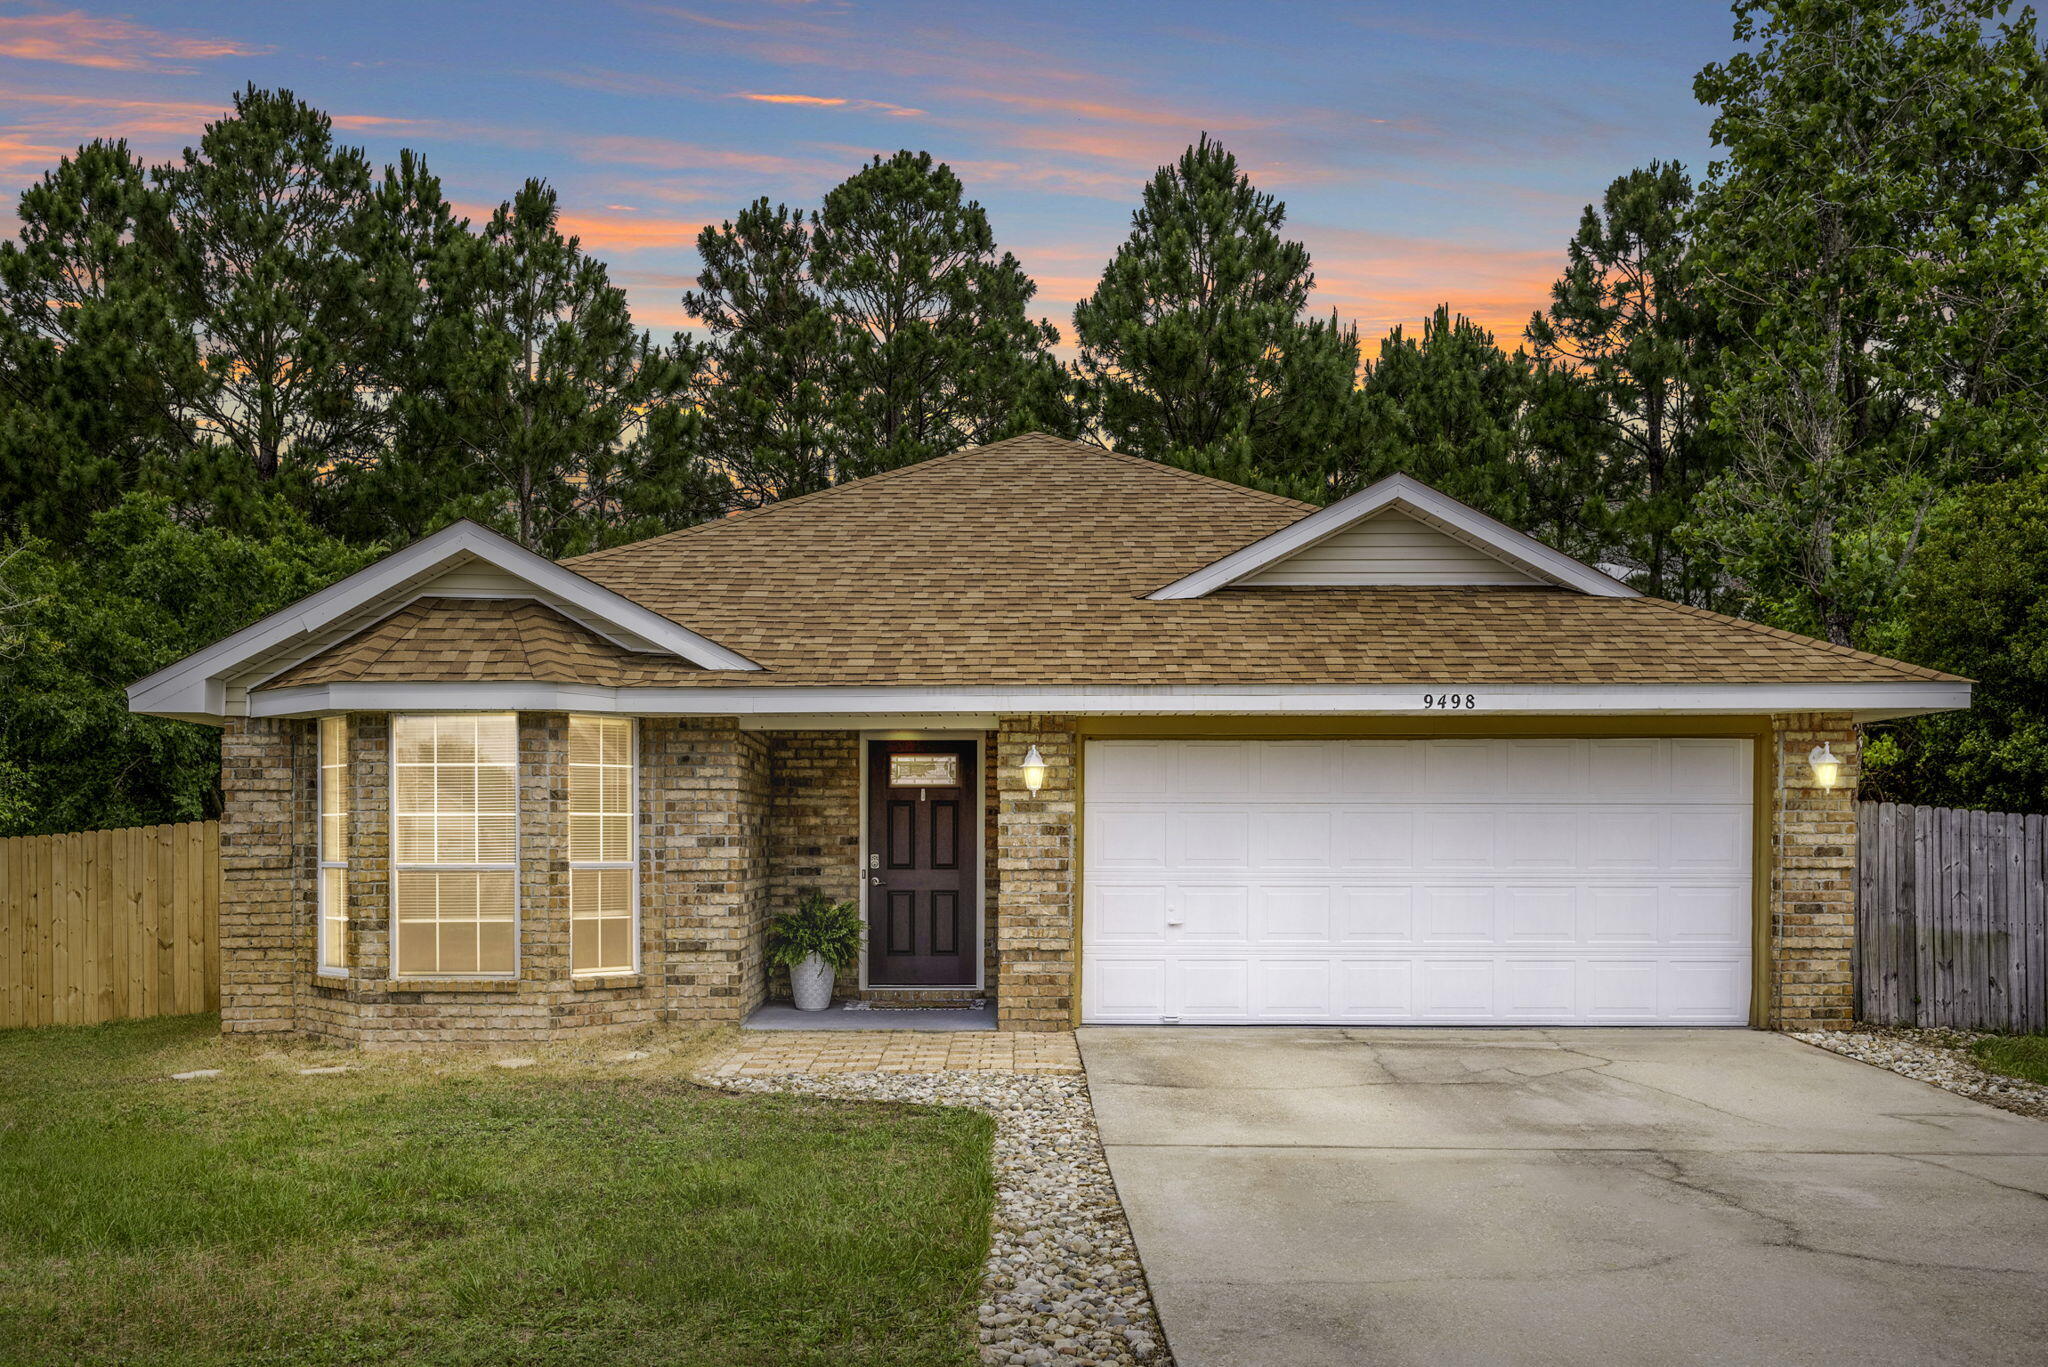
(630, 232)
(74, 38)
(832, 102)
(1381, 281)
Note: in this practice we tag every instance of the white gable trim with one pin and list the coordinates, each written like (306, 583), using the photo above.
(197, 686)
(1421, 502)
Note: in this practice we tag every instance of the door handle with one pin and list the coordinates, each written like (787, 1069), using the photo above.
(1176, 923)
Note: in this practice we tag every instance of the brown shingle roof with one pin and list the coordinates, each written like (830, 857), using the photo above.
(482, 640)
(1028, 561)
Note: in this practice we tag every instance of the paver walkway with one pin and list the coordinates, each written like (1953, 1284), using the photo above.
(757, 1053)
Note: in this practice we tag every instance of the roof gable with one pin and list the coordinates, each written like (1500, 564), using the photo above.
(462, 560)
(1397, 531)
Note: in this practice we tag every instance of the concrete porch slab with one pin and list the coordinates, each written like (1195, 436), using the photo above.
(844, 1016)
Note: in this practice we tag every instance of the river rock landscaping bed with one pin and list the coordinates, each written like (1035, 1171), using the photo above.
(1063, 1282)
(1941, 1057)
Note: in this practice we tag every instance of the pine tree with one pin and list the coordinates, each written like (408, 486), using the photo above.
(267, 213)
(1872, 246)
(92, 362)
(538, 376)
(774, 347)
(1447, 409)
(937, 348)
(1624, 316)
(1194, 345)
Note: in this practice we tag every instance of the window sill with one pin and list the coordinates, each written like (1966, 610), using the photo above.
(593, 982)
(451, 984)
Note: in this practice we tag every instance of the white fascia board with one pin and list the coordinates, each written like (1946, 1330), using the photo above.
(1869, 701)
(1488, 534)
(196, 685)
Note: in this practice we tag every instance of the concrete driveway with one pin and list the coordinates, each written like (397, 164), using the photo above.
(1309, 1197)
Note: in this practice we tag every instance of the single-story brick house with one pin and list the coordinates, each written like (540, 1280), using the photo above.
(1101, 739)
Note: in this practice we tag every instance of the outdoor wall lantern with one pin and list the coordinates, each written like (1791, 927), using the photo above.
(1034, 770)
(1827, 770)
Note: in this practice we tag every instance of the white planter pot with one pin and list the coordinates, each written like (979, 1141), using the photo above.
(810, 982)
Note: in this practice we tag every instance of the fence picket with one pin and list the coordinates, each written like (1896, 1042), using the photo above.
(108, 925)
(1952, 918)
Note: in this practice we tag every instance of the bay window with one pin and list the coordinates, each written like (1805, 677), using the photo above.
(603, 888)
(455, 845)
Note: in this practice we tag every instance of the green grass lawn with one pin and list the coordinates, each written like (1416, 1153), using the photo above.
(2020, 1056)
(438, 1209)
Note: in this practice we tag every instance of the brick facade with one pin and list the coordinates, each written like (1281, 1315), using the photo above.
(266, 872)
(1813, 877)
(735, 825)
(1037, 957)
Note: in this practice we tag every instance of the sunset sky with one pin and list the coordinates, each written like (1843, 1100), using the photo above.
(1426, 152)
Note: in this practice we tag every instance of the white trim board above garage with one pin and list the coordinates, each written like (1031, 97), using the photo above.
(1398, 531)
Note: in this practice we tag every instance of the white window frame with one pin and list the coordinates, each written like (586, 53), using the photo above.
(397, 867)
(631, 864)
(323, 856)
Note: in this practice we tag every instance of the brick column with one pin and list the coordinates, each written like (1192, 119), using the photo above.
(1813, 877)
(814, 826)
(267, 873)
(1035, 833)
(704, 879)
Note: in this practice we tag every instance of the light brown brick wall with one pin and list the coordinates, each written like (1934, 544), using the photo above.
(1035, 868)
(266, 862)
(704, 892)
(1813, 878)
(705, 808)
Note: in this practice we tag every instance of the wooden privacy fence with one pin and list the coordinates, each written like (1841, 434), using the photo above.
(102, 925)
(1951, 918)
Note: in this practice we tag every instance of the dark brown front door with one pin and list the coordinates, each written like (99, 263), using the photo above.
(924, 862)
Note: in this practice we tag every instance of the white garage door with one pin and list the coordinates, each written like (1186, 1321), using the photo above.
(1572, 882)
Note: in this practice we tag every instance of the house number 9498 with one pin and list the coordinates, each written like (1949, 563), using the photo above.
(1449, 702)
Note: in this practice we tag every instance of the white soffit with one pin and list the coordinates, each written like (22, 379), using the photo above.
(198, 686)
(1523, 554)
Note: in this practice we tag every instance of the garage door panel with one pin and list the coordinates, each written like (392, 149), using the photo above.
(1706, 914)
(1457, 838)
(1545, 771)
(1539, 914)
(1376, 914)
(1454, 989)
(1292, 837)
(1539, 839)
(1210, 837)
(1214, 988)
(1537, 989)
(1709, 771)
(1126, 915)
(1455, 769)
(1123, 988)
(1457, 914)
(1213, 914)
(1295, 771)
(1372, 838)
(1462, 881)
(1708, 840)
(1380, 770)
(1124, 838)
(1213, 769)
(1372, 990)
(1292, 915)
(1291, 989)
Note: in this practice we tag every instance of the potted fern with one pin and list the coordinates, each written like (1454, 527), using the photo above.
(813, 942)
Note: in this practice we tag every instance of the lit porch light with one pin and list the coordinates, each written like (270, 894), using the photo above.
(1033, 769)
(1827, 770)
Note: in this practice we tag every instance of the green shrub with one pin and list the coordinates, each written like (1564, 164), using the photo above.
(831, 930)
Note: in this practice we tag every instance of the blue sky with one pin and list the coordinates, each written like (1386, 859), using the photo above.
(1426, 152)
